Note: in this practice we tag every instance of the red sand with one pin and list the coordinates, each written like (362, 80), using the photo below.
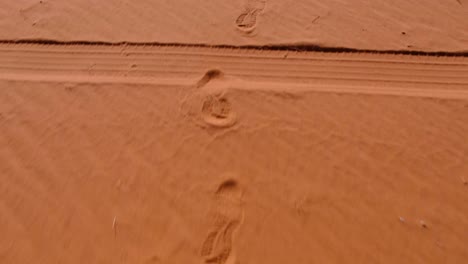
(161, 154)
(434, 25)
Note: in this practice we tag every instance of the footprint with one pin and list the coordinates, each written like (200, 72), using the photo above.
(216, 111)
(218, 248)
(209, 75)
(247, 20)
(208, 104)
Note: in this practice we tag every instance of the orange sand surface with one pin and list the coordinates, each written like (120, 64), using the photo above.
(430, 25)
(171, 154)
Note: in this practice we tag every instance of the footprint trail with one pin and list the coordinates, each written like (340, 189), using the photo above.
(218, 245)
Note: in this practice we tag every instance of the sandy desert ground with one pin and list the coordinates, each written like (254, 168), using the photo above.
(182, 153)
(431, 25)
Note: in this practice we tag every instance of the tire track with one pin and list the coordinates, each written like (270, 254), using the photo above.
(431, 76)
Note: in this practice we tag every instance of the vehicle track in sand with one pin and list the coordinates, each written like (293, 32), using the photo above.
(285, 70)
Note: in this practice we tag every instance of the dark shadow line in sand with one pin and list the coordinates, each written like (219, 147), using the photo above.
(303, 47)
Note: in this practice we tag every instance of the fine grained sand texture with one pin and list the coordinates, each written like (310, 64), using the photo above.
(435, 25)
(173, 154)
(161, 151)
